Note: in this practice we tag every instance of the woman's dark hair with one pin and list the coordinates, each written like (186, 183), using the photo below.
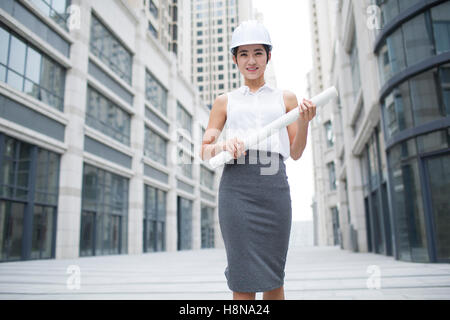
(266, 47)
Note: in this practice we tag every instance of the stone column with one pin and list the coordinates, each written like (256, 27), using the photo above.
(136, 190)
(71, 167)
(171, 217)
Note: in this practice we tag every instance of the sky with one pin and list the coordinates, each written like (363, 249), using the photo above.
(288, 24)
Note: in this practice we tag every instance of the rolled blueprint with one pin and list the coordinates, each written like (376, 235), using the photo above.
(251, 141)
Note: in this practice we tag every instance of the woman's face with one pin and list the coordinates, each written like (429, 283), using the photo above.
(252, 61)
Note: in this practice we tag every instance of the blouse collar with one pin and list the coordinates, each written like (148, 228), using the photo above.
(246, 90)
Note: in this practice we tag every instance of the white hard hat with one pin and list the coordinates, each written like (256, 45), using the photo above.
(250, 32)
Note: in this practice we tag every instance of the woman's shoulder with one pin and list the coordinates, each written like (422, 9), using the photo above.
(221, 102)
(290, 100)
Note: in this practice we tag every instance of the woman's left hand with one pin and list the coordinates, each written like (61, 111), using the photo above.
(307, 111)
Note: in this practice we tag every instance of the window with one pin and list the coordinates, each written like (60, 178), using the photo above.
(397, 110)
(55, 10)
(155, 146)
(424, 98)
(107, 117)
(329, 134)
(153, 9)
(332, 176)
(156, 93)
(207, 227)
(184, 119)
(444, 75)
(104, 219)
(28, 195)
(441, 27)
(154, 219)
(184, 223)
(418, 40)
(108, 48)
(392, 60)
(153, 30)
(390, 9)
(184, 163)
(30, 71)
(206, 177)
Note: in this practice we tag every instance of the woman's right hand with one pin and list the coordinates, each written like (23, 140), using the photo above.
(235, 147)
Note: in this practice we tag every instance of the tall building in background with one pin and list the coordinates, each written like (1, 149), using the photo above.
(213, 23)
(169, 22)
(382, 150)
(99, 129)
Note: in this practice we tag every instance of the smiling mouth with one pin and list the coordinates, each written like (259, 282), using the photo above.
(252, 69)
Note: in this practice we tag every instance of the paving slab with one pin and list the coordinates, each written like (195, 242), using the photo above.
(312, 273)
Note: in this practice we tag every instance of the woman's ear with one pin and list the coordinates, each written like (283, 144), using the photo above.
(235, 60)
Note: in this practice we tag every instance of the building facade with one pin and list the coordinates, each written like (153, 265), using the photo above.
(99, 132)
(386, 139)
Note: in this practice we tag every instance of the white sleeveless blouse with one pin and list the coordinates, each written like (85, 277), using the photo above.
(248, 112)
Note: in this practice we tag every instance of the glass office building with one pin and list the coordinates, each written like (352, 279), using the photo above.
(413, 50)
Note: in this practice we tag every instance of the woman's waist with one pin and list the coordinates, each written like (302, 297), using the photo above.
(258, 158)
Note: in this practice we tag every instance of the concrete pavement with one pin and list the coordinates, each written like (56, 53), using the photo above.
(311, 273)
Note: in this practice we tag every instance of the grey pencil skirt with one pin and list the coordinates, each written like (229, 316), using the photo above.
(255, 218)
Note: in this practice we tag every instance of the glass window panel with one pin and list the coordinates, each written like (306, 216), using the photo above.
(407, 202)
(12, 213)
(33, 65)
(389, 10)
(424, 95)
(397, 110)
(58, 80)
(32, 89)
(445, 85)
(48, 73)
(434, 141)
(441, 27)
(43, 6)
(439, 182)
(38, 232)
(108, 49)
(396, 52)
(4, 40)
(17, 55)
(418, 40)
(15, 80)
(59, 6)
(2, 73)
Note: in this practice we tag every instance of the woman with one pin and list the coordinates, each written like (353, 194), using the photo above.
(255, 208)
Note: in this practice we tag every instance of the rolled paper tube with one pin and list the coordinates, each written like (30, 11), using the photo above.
(270, 129)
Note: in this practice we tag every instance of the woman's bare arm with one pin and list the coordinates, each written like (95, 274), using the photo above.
(217, 119)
